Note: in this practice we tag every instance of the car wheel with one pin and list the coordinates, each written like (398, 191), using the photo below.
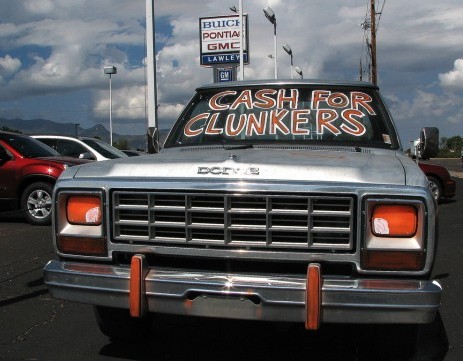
(36, 202)
(118, 325)
(435, 186)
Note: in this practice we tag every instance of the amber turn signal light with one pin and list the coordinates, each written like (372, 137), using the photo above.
(393, 260)
(82, 245)
(394, 220)
(84, 210)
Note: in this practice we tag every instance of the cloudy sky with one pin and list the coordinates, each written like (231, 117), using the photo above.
(52, 54)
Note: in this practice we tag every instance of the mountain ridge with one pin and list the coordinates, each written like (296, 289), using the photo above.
(45, 126)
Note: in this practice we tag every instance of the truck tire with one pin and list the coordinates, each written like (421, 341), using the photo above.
(118, 325)
(36, 203)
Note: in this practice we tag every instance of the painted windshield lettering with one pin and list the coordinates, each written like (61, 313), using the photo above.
(252, 113)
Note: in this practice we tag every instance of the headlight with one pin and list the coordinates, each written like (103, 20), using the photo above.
(83, 209)
(79, 223)
(394, 220)
(394, 236)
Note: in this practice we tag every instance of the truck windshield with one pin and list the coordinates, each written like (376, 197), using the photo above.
(285, 115)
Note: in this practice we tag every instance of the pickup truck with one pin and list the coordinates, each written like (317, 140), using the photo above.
(287, 201)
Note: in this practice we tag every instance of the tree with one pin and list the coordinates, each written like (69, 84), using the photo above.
(443, 142)
(8, 129)
(122, 143)
(454, 143)
(450, 147)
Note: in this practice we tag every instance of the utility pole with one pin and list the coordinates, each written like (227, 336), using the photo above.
(360, 70)
(374, 70)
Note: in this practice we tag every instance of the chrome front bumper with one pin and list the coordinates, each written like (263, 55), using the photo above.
(244, 296)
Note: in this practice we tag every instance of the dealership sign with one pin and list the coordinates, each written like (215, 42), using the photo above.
(220, 40)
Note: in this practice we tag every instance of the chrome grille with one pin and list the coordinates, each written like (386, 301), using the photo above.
(248, 221)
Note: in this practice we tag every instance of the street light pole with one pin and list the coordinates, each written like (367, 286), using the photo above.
(110, 70)
(239, 11)
(288, 49)
(110, 112)
(299, 71)
(270, 15)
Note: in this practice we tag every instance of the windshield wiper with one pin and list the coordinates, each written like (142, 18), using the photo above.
(238, 146)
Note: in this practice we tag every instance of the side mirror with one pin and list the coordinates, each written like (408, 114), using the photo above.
(429, 142)
(4, 156)
(86, 155)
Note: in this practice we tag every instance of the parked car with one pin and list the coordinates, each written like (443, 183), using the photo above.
(81, 147)
(132, 153)
(440, 182)
(28, 172)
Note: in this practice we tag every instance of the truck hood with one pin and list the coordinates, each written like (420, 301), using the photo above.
(375, 167)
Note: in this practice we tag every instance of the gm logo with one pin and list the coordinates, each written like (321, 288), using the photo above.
(224, 75)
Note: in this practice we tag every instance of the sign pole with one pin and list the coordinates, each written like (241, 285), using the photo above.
(241, 41)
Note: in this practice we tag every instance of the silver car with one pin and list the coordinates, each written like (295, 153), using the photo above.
(81, 147)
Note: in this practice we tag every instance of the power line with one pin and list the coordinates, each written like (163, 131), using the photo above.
(370, 27)
(365, 51)
(380, 13)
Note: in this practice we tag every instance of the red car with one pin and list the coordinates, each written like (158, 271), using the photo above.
(440, 182)
(28, 172)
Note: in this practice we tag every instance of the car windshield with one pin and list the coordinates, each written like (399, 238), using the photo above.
(27, 146)
(105, 149)
(292, 114)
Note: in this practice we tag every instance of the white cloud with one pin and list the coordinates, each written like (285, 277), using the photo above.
(454, 78)
(424, 108)
(127, 103)
(427, 105)
(9, 65)
(169, 112)
(78, 52)
(39, 6)
(60, 47)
